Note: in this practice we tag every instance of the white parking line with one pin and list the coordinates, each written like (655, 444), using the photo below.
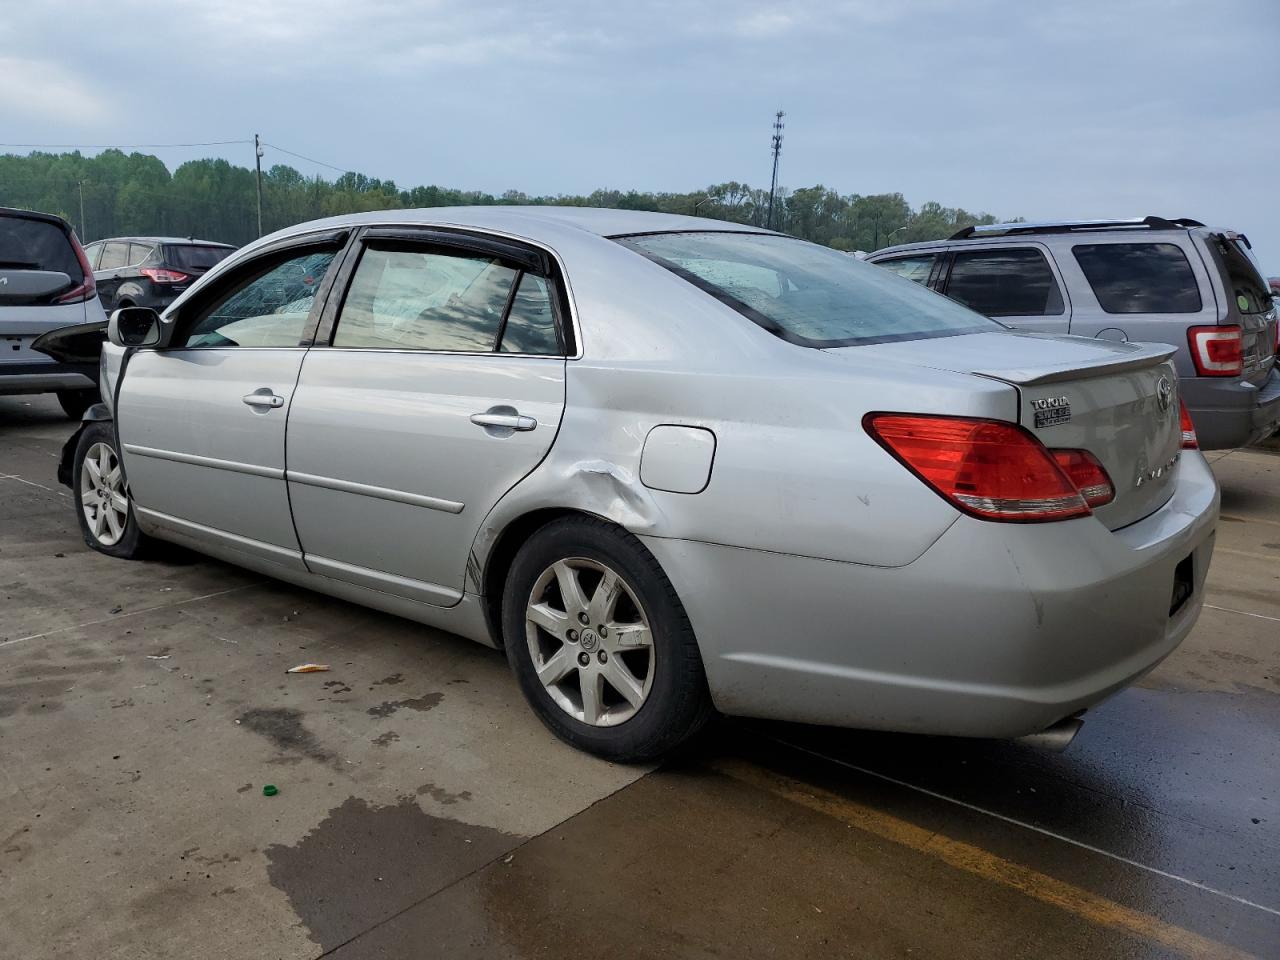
(32, 483)
(1031, 826)
(1244, 613)
(131, 613)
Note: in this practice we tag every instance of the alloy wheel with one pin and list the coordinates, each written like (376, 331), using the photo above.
(102, 496)
(590, 641)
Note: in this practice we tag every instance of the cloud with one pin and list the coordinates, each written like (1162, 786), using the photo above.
(44, 90)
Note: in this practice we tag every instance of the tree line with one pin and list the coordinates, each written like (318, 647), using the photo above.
(119, 194)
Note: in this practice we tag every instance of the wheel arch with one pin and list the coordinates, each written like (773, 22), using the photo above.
(492, 571)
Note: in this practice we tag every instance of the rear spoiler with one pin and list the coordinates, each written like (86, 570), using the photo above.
(1140, 356)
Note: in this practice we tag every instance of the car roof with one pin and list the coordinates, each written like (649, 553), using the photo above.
(532, 221)
(35, 215)
(183, 241)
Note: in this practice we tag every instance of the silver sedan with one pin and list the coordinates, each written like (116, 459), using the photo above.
(670, 466)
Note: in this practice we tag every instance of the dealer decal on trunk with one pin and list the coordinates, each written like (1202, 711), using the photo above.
(1051, 411)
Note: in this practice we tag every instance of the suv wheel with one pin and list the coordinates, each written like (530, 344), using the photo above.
(75, 402)
(104, 509)
(601, 644)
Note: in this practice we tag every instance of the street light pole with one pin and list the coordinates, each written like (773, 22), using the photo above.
(84, 231)
(777, 150)
(257, 162)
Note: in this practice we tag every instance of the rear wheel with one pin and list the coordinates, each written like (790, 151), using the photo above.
(103, 506)
(600, 642)
(75, 402)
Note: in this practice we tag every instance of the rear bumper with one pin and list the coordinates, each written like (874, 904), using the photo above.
(998, 630)
(1230, 413)
(47, 377)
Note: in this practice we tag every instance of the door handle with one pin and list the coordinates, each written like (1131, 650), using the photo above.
(504, 421)
(262, 398)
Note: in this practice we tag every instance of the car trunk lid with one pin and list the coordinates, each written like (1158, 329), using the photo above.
(1119, 401)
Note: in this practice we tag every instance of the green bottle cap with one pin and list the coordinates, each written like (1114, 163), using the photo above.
(269, 790)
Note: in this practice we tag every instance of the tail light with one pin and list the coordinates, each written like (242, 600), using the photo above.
(1189, 441)
(1217, 351)
(159, 275)
(986, 468)
(87, 289)
(1087, 475)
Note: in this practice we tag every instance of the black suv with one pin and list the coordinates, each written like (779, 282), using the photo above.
(149, 271)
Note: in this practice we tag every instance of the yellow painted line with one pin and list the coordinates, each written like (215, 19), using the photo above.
(984, 864)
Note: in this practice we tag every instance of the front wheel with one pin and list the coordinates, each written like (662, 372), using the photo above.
(600, 642)
(103, 506)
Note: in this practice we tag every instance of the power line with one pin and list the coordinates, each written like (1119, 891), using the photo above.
(124, 146)
(308, 159)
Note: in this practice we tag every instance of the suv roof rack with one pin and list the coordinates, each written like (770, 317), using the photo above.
(1067, 226)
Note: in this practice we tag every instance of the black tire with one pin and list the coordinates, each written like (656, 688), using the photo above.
(75, 402)
(132, 542)
(677, 703)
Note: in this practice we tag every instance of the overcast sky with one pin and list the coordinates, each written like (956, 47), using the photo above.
(1068, 108)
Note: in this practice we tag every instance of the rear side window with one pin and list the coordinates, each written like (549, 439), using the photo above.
(806, 294)
(913, 268)
(139, 252)
(267, 309)
(1005, 283)
(37, 245)
(114, 255)
(193, 258)
(426, 298)
(1139, 277)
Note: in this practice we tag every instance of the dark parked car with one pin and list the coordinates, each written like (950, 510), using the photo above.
(46, 285)
(150, 271)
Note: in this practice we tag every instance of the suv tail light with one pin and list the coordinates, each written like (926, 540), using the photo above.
(1189, 440)
(987, 468)
(1087, 475)
(1217, 351)
(159, 275)
(87, 289)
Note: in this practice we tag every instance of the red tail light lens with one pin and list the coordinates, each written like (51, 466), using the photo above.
(1189, 441)
(1217, 351)
(87, 289)
(986, 468)
(1087, 475)
(158, 275)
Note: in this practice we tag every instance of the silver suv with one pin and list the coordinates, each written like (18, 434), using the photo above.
(1169, 281)
(45, 285)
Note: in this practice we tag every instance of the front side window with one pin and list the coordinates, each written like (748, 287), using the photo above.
(1139, 277)
(1005, 283)
(405, 298)
(267, 309)
(913, 268)
(807, 294)
(114, 255)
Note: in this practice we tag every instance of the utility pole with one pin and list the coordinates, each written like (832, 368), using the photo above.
(84, 231)
(257, 162)
(777, 151)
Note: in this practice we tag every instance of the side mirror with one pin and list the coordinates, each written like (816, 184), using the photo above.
(134, 327)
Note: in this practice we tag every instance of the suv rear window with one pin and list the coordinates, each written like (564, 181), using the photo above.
(194, 257)
(37, 245)
(1005, 283)
(1244, 283)
(806, 294)
(1139, 277)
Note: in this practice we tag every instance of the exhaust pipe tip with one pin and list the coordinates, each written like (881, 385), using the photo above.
(1055, 738)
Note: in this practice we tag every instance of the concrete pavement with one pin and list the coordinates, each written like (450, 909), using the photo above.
(423, 811)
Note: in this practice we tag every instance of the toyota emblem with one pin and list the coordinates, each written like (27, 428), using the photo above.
(1164, 393)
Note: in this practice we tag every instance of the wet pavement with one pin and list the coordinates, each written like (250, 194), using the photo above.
(422, 810)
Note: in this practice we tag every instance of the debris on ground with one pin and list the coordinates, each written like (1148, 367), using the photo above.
(116, 609)
(156, 656)
(270, 790)
(309, 668)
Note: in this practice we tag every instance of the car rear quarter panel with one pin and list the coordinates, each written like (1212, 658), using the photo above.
(794, 471)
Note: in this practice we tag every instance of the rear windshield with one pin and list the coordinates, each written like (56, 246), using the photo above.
(1241, 276)
(37, 245)
(807, 294)
(1139, 277)
(192, 257)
